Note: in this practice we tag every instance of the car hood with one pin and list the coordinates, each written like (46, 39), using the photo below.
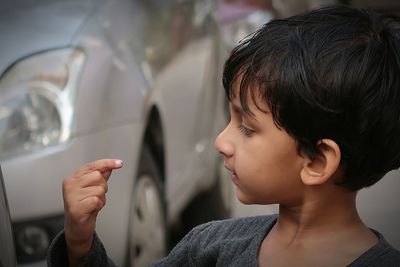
(30, 26)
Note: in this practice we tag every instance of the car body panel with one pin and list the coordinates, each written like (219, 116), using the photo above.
(26, 30)
(116, 82)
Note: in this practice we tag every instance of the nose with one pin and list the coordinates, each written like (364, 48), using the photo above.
(222, 143)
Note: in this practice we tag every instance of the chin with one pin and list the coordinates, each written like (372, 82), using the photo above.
(251, 200)
(244, 199)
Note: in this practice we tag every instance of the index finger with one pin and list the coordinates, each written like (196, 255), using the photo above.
(101, 165)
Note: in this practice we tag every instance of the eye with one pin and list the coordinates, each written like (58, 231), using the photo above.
(244, 130)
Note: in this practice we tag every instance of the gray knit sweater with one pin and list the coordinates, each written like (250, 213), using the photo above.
(232, 242)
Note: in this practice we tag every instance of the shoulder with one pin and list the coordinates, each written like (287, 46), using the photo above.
(387, 257)
(382, 254)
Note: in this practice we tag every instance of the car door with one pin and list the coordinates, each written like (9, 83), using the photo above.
(7, 252)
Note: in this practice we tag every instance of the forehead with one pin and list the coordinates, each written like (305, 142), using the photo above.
(248, 97)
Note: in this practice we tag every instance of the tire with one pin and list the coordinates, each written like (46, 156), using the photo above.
(148, 231)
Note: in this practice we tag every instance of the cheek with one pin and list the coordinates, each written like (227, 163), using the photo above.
(282, 148)
(253, 162)
(277, 158)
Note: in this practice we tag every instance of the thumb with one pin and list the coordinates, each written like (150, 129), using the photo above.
(106, 174)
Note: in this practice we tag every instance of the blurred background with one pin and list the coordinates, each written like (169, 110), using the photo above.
(138, 80)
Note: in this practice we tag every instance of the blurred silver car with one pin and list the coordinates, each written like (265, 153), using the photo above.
(7, 252)
(88, 79)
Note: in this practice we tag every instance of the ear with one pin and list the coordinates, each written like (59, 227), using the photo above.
(320, 169)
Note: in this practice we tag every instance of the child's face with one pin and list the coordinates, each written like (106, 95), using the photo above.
(264, 160)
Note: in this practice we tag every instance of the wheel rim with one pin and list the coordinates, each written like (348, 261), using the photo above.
(148, 237)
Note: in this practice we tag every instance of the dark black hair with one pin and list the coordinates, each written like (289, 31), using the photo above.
(329, 73)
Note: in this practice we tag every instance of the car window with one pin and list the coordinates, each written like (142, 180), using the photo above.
(7, 252)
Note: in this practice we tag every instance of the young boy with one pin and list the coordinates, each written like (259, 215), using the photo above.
(315, 117)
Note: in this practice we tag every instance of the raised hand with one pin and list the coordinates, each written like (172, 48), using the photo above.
(84, 195)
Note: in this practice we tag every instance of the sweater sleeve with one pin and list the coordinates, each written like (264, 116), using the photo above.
(57, 255)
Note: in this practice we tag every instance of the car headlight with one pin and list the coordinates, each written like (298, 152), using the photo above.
(37, 96)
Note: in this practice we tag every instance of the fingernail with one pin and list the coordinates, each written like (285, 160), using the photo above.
(118, 163)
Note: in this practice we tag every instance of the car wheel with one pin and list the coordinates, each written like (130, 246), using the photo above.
(148, 236)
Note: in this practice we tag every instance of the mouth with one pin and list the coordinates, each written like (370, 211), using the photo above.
(234, 176)
(229, 169)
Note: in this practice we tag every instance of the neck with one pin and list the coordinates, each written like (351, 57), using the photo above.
(324, 220)
(316, 217)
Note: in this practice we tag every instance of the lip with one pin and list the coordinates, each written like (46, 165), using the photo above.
(230, 169)
(234, 176)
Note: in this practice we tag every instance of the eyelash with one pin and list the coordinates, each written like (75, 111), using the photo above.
(244, 130)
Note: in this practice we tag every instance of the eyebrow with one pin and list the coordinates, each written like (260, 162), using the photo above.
(240, 110)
